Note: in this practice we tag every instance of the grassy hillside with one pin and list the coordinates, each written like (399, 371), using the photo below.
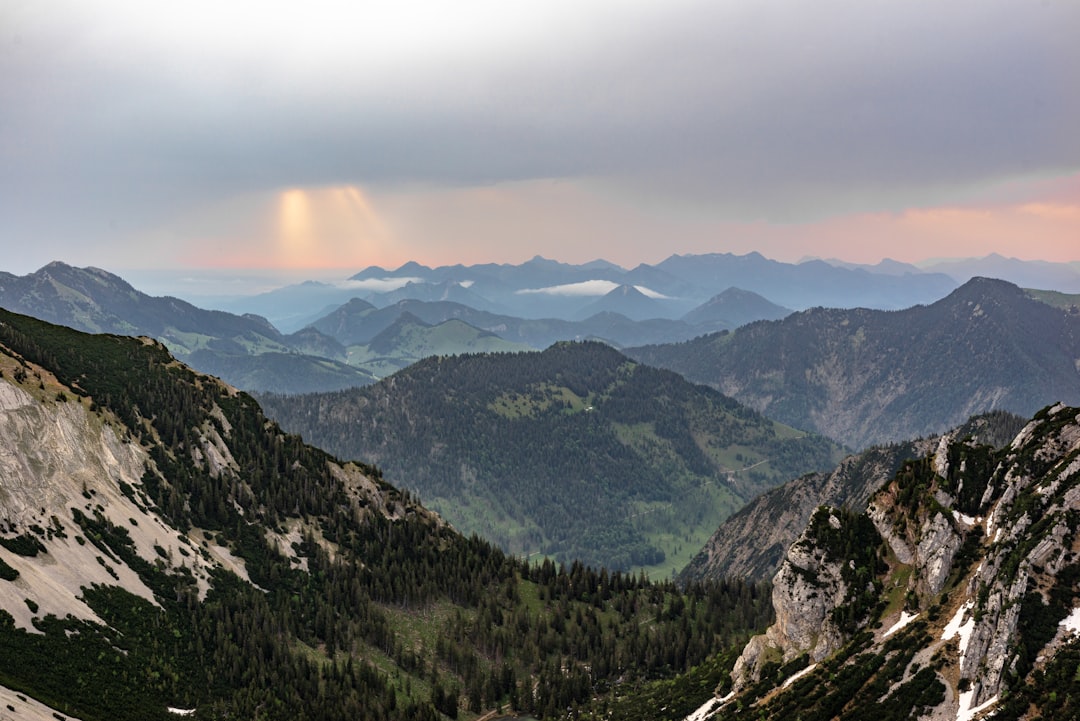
(575, 452)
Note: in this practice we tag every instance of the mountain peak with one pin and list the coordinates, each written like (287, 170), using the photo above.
(626, 291)
(982, 288)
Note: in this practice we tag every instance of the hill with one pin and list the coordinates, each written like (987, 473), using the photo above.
(245, 350)
(409, 339)
(733, 308)
(574, 452)
(626, 300)
(869, 377)
(166, 549)
(357, 322)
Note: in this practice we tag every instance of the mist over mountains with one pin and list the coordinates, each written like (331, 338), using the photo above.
(542, 288)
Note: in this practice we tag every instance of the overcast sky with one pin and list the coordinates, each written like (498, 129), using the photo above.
(341, 135)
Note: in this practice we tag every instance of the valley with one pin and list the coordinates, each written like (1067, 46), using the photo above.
(542, 361)
(575, 452)
(565, 533)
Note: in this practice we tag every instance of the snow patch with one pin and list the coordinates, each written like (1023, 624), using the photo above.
(964, 518)
(181, 711)
(957, 626)
(799, 675)
(965, 712)
(905, 619)
(707, 709)
(1072, 621)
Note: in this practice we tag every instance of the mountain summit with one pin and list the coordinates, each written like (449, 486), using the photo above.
(866, 376)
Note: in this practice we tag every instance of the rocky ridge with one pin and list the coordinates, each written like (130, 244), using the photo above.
(954, 594)
(752, 543)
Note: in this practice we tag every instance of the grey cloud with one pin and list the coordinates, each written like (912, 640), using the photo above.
(767, 109)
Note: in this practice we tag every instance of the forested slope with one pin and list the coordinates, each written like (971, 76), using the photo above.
(574, 452)
(247, 575)
(868, 377)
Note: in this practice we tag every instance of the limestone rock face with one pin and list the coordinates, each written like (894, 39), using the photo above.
(752, 543)
(809, 586)
(978, 555)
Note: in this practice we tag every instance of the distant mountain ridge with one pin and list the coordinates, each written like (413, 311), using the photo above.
(330, 351)
(248, 351)
(543, 288)
(867, 376)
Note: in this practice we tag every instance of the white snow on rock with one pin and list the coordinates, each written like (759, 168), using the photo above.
(1072, 621)
(905, 619)
(706, 710)
(965, 519)
(957, 626)
(181, 711)
(799, 675)
(965, 712)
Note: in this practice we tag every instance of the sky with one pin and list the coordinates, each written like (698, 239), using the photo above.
(330, 136)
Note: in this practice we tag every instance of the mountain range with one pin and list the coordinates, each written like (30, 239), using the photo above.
(542, 288)
(247, 350)
(575, 452)
(347, 345)
(166, 550)
(868, 376)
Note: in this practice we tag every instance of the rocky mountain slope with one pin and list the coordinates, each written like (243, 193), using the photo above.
(869, 377)
(957, 593)
(752, 543)
(573, 452)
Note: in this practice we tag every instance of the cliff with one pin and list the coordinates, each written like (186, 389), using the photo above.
(954, 594)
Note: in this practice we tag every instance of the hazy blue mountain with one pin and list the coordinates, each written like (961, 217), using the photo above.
(733, 308)
(1038, 274)
(870, 376)
(809, 284)
(357, 322)
(247, 351)
(887, 266)
(446, 290)
(628, 301)
(292, 307)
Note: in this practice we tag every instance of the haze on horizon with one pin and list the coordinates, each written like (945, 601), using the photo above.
(337, 136)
